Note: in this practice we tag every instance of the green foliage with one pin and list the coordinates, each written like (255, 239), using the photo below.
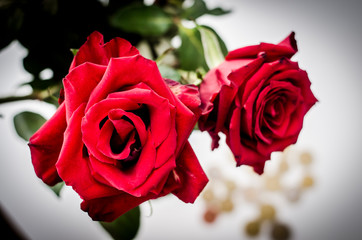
(169, 72)
(48, 30)
(125, 227)
(148, 21)
(27, 123)
(74, 51)
(192, 77)
(57, 188)
(222, 44)
(191, 52)
(212, 50)
(199, 8)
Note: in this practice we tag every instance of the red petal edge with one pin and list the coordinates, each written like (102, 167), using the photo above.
(191, 176)
(109, 208)
(45, 146)
(286, 48)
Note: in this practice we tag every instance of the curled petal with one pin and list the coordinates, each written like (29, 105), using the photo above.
(85, 77)
(134, 69)
(122, 128)
(284, 95)
(217, 78)
(218, 100)
(188, 111)
(299, 78)
(167, 149)
(157, 179)
(109, 208)
(233, 137)
(74, 162)
(286, 48)
(95, 51)
(110, 142)
(188, 95)
(45, 146)
(130, 178)
(227, 94)
(159, 110)
(191, 176)
(93, 118)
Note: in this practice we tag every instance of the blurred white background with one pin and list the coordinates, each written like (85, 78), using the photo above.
(328, 34)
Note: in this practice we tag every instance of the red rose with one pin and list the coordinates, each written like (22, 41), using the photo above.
(119, 138)
(258, 98)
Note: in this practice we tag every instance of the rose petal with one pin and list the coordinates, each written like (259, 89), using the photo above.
(243, 147)
(129, 179)
(124, 72)
(105, 138)
(164, 187)
(158, 107)
(116, 115)
(123, 127)
(167, 149)
(45, 146)
(85, 77)
(215, 79)
(185, 122)
(277, 145)
(256, 82)
(191, 176)
(103, 144)
(95, 51)
(286, 48)
(244, 155)
(157, 178)
(127, 150)
(73, 163)
(247, 96)
(109, 208)
(187, 99)
(95, 115)
(248, 119)
(300, 79)
(274, 91)
(233, 136)
(216, 107)
(227, 94)
(291, 43)
(188, 95)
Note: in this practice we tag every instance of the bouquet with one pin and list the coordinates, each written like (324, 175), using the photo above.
(127, 105)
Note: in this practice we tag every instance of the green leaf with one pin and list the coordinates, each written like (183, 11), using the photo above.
(38, 84)
(125, 227)
(222, 44)
(57, 188)
(218, 11)
(190, 53)
(212, 50)
(149, 21)
(199, 8)
(170, 73)
(74, 51)
(196, 10)
(27, 123)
